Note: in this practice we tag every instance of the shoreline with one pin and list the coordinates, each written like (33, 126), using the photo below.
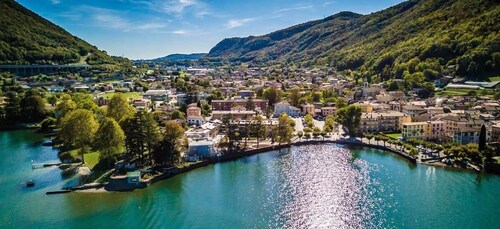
(238, 155)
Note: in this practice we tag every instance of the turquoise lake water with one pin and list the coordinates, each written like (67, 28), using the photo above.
(327, 186)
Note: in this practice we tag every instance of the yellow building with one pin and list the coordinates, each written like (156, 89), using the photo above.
(424, 130)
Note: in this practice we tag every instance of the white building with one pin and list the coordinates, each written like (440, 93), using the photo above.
(286, 108)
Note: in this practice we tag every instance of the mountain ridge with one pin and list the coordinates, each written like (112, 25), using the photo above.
(28, 38)
(435, 34)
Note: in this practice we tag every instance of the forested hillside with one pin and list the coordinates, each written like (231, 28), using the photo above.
(27, 38)
(420, 39)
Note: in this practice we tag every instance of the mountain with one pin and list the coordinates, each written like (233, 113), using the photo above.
(27, 38)
(458, 37)
(180, 57)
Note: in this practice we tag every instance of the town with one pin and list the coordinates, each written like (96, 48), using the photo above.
(181, 116)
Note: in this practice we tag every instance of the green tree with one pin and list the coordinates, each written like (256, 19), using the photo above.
(141, 133)
(272, 95)
(119, 109)
(350, 117)
(249, 105)
(482, 138)
(283, 133)
(78, 128)
(294, 96)
(66, 105)
(341, 102)
(33, 108)
(169, 149)
(13, 107)
(109, 139)
(84, 101)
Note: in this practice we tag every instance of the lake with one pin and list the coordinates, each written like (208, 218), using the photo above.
(316, 186)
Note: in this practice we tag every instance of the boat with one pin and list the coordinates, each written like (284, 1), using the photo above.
(30, 183)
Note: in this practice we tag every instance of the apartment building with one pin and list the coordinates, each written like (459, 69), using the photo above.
(424, 130)
(383, 121)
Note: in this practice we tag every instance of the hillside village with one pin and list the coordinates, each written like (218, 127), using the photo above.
(214, 104)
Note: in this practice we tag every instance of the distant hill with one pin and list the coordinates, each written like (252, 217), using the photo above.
(181, 57)
(27, 38)
(436, 36)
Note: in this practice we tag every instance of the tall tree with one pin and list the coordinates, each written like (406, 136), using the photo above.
(283, 133)
(169, 149)
(119, 109)
(249, 105)
(142, 133)
(350, 117)
(78, 128)
(272, 95)
(66, 105)
(32, 108)
(482, 138)
(13, 107)
(109, 139)
(294, 96)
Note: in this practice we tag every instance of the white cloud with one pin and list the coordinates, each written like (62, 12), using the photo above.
(55, 2)
(180, 32)
(294, 8)
(234, 23)
(113, 19)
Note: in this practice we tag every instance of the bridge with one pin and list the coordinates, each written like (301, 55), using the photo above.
(30, 70)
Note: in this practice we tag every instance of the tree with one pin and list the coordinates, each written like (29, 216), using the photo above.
(109, 138)
(84, 101)
(350, 117)
(482, 139)
(272, 95)
(329, 123)
(66, 105)
(284, 131)
(341, 102)
(249, 106)
(32, 108)
(13, 107)
(52, 100)
(78, 128)
(177, 114)
(169, 148)
(369, 137)
(141, 133)
(294, 96)
(119, 109)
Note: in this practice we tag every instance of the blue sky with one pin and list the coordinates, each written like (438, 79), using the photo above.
(153, 28)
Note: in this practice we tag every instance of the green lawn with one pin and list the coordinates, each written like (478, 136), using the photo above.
(129, 95)
(394, 135)
(91, 159)
(495, 78)
(463, 91)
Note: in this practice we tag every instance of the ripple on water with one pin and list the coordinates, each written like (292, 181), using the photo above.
(324, 187)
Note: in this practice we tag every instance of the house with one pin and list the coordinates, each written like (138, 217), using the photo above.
(325, 111)
(142, 104)
(413, 110)
(283, 107)
(203, 148)
(156, 95)
(194, 115)
(234, 114)
(134, 177)
(246, 93)
(309, 109)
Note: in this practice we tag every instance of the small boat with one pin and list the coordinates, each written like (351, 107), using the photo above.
(30, 183)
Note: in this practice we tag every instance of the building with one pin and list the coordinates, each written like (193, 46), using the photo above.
(466, 135)
(194, 115)
(413, 110)
(203, 148)
(283, 107)
(383, 121)
(226, 105)
(142, 104)
(325, 111)
(309, 109)
(156, 95)
(233, 114)
(246, 93)
(424, 130)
